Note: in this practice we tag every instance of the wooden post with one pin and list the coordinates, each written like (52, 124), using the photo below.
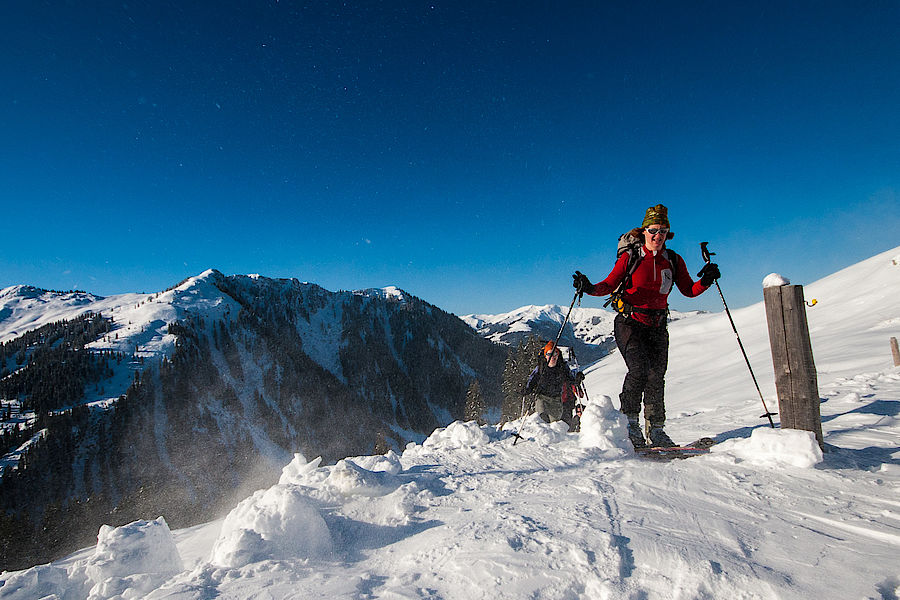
(795, 369)
(895, 351)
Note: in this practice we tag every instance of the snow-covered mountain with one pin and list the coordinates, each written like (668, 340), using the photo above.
(142, 320)
(473, 513)
(25, 307)
(588, 332)
(242, 368)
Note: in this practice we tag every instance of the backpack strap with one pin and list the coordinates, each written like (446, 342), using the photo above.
(635, 256)
(673, 258)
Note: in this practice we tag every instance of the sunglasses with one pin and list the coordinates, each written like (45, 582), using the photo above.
(655, 230)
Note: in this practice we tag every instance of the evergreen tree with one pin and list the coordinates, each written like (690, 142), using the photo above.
(519, 364)
(382, 445)
(474, 404)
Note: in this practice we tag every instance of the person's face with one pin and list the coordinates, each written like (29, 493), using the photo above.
(553, 357)
(655, 237)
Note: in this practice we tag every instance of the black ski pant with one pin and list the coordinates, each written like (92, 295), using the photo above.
(646, 353)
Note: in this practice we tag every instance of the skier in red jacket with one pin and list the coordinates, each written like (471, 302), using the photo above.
(640, 327)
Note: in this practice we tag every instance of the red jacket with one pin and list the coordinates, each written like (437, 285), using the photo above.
(651, 282)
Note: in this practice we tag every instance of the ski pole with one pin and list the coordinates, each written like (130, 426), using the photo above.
(584, 391)
(577, 296)
(706, 258)
(521, 414)
(580, 383)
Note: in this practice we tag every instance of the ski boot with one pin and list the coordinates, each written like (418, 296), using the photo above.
(635, 435)
(659, 438)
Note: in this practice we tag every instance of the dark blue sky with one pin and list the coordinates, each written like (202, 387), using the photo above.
(472, 153)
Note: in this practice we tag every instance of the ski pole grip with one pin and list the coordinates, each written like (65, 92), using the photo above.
(705, 251)
(579, 291)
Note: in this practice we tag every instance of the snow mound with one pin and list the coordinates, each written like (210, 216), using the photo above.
(299, 471)
(535, 429)
(853, 398)
(546, 434)
(775, 280)
(43, 581)
(457, 435)
(279, 523)
(349, 479)
(604, 427)
(139, 547)
(774, 447)
(389, 463)
(128, 562)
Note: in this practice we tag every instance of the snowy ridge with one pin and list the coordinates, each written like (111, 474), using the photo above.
(388, 293)
(142, 320)
(468, 514)
(591, 325)
(25, 307)
(471, 514)
(588, 332)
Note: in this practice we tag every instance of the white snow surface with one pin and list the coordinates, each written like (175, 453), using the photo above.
(474, 512)
(775, 280)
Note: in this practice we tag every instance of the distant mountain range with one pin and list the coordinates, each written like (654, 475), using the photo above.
(588, 332)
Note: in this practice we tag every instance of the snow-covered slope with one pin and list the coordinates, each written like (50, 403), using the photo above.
(330, 328)
(471, 514)
(24, 307)
(591, 325)
(708, 381)
(141, 319)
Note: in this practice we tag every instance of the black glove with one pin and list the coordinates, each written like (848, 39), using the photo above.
(579, 377)
(709, 274)
(581, 282)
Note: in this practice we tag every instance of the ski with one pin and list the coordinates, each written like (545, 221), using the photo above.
(670, 453)
(704, 442)
(696, 448)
